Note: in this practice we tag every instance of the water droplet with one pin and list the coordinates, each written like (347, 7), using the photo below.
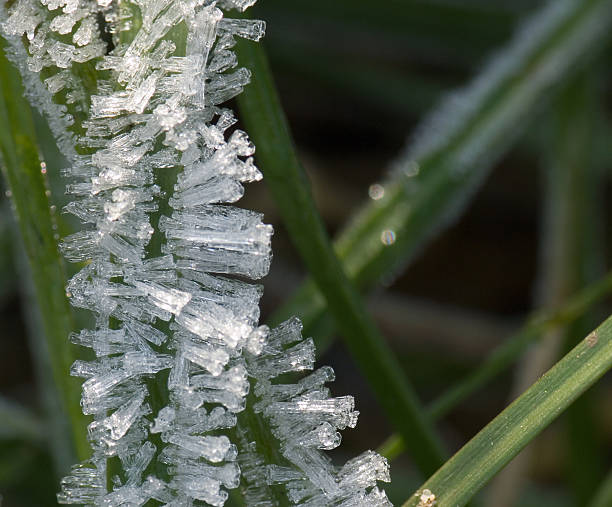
(8, 193)
(376, 191)
(52, 208)
(43, 168)
(387, 237)
(412, 169)
(48, 193)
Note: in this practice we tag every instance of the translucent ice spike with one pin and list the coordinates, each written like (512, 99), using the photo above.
(364, 471)
(298, 358)
(337, 411)
(120, 248)
(166, 298)
(132, 364)
(84, 485)
(227, 389)
(211, 217)
(212, 359)
(163, 421)
(214, 190)
(105, 342)
(145, 332)
(23, 18)
(323, 436)
(316, 466)
(136, 464)
(252, 29)
(125, 495)
(254, 263)
(241, 5)
(286, 333)
(210, 320)
(227, 86)
(213, 449)
(282, 392)
(228, 474)
(81, 246)
(117, 424)
(201, 488)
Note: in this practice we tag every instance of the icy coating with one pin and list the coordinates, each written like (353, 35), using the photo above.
(155, 159)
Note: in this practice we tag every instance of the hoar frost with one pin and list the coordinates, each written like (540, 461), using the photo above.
(176, 338)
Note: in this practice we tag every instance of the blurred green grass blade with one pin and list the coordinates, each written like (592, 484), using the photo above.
(566, 245)
(263, 117)
(575, 182)
(504, 356)
(603, 495)
(22, 171)
(18, 423)
(466, 472)
(457, 146)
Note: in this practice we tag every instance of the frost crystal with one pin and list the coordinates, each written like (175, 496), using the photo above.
(177, 342)
(305, 421)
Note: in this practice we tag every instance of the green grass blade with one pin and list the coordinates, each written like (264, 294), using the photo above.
(567, 235)
(18, 423)
(603, 496)
(578, 211)
(262, 114)
(436, 177)
(482, 457)
(26, 182)
(504, 356)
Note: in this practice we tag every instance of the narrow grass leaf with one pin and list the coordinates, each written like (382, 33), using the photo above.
(503, 438)
(603, 496)
(25, 176)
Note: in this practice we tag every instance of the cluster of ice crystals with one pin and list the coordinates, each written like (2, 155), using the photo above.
(305, 420)
(172, 320)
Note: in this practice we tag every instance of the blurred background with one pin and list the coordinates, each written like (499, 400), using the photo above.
(356, 79)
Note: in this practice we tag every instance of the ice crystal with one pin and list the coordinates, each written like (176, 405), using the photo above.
(177, 340)
(305, 422)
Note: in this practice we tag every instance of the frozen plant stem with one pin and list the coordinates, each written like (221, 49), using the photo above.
(155, 159)
(288, 183)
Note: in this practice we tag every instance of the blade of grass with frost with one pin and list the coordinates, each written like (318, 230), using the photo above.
(456, 147)
(172, 330)
(475, 463)
(506, 354)
(25, 176)
(262, 114)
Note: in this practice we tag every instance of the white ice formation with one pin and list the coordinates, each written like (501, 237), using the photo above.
(155, 159)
